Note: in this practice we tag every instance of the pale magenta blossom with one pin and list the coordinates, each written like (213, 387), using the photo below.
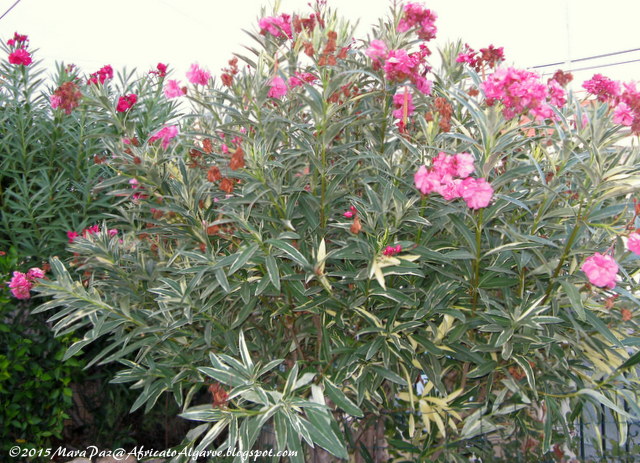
(622, 114)
(35, 273)
(476, 192)
(377, 50)
(278, 87)
(601, 270)
(20, 286)
(166, 134)
(464, 164)
(633, 243)
(198, 76)
(172, 89)
(276, 26)
(426, 180)
(423, 19)
(522, 92)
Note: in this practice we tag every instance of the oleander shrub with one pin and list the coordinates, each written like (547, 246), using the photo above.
(360, 256)
(52, 153)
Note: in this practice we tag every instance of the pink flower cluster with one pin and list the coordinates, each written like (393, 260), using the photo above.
(633, 243)
(301, 78)
(404, 108)
(172, 89)
(92, 230)
(522, 92)
(603, 88)
(278, 87)
(166, 134)
(400, 66)
(101, 75)
(276, 26)
(198, 76)
(18, 39)
(623, 98)
(126, 102)
(392, 250)
(20, 56)
(449, 176)
(21, 284)
(160, 70)
(601, 270)
(490, 57)
(416, 15)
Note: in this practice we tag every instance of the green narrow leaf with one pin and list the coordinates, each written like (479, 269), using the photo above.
(341, 400)
(272, 271)
(244, 352)
(322, 434)
(243, 258)
(291, 252)
(574, 298)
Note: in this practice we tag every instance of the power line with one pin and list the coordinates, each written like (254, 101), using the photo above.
(587, 58)
(597, 67)
(10, 8)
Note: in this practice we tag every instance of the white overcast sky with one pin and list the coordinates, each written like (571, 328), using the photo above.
(141, 33)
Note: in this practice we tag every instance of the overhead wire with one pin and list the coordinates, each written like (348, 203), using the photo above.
(588, 58)
(10, 8)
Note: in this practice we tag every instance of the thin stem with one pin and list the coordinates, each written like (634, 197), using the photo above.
(476, 262)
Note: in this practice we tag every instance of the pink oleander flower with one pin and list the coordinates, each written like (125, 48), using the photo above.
(300, 78)
(112, 232)
(602, 87)
(126, 102)
(422, 84)
(399, 65)
(403, 103)
(476, 192)
(521, 92)
(351, 213)
(55, 101)
(35, 273)
(444, 165)
(166, 134)
(17, 39)
(463, 164)
(20, 286)
(21, 57)
(449, 187)
(278, 87)
(557, 94)
(72, 235)
(101, 75)
(490, 56)
(601, 270)
(392, 250)
(633, 243)
(198, 76)
(172, 89)
(160, 70)
(416, 15)
(426, 180)
(622, 114)
(377, 50)
(276, 26)
(92, 230)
